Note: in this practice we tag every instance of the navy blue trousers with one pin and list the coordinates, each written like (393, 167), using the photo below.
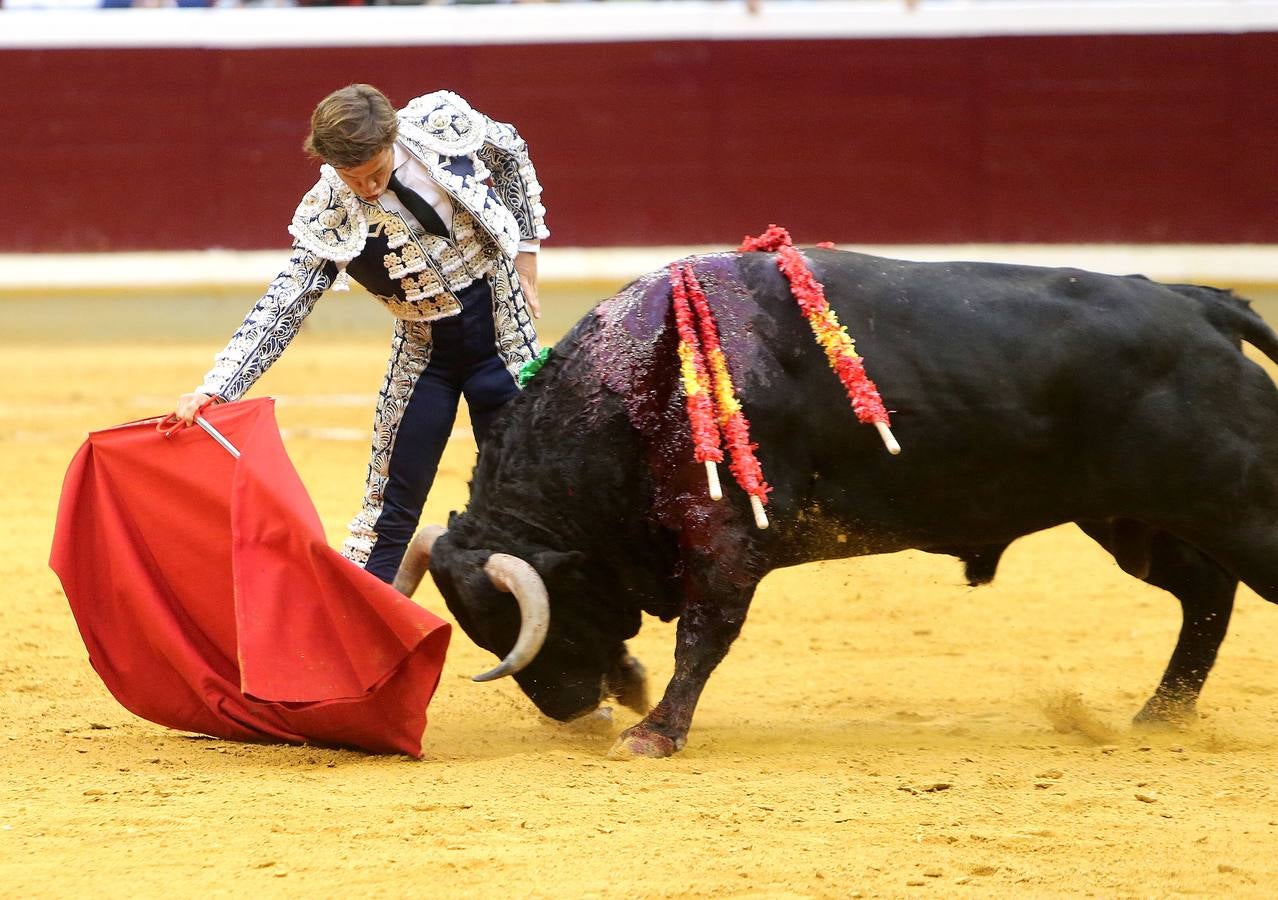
(463, 362)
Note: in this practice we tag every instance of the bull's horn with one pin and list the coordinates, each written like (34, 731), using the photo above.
(416, 560)
(513, 575)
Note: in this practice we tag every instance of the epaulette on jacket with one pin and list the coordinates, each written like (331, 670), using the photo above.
(443, 123)
(330, 221)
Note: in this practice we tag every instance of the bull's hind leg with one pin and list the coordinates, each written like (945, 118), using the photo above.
(1206, 594)
(711, 620)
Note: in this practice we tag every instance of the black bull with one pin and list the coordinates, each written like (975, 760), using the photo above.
(1023, 398)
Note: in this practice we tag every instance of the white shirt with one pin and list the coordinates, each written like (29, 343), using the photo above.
(413, 175)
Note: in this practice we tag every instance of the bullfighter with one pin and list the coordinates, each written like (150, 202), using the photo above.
(436, 210)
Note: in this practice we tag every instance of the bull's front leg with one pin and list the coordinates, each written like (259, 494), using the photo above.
(711, 620)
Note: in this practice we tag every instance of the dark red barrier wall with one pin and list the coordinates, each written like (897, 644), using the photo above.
(1059, 139)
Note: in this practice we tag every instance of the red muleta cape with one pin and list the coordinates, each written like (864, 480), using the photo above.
(210, 601)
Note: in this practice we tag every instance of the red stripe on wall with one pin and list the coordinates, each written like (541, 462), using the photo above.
(1136, 138)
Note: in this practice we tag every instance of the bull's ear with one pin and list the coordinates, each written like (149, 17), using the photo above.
(555, 562)
(452, 518)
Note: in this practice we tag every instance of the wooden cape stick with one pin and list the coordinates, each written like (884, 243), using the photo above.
(217, 436)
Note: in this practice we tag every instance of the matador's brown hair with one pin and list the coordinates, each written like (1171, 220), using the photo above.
(351, 125)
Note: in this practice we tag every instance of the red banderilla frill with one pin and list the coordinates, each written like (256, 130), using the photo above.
(696, 386)
(731, 421)
(840, 350)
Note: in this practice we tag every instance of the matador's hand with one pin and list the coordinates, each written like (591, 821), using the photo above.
(526, 266)
(189, 405)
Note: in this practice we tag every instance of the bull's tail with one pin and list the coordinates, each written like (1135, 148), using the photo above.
(1233, 316)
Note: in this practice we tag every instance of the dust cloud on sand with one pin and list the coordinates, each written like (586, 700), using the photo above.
(880, 729)
(1069, 715)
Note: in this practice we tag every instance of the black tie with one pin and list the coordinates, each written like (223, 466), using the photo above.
(422, 211)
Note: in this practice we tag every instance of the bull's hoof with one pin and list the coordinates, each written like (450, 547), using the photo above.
(636, 743)
(1166, 713)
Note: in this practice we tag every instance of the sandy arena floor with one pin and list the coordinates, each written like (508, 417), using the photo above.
(879, 729)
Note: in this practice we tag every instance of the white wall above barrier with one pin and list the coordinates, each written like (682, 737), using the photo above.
(652, 21)
(1237, 265)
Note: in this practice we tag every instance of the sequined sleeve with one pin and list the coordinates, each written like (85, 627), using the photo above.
(505, 153)
(270, 325)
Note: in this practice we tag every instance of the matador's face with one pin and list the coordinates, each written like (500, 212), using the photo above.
(368, 180)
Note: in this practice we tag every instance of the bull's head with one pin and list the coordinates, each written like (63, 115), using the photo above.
(567, 665)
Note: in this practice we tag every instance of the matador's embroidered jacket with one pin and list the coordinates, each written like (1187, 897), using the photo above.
(483, 166)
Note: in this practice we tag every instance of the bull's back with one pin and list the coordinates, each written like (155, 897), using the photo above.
(1023, 397)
